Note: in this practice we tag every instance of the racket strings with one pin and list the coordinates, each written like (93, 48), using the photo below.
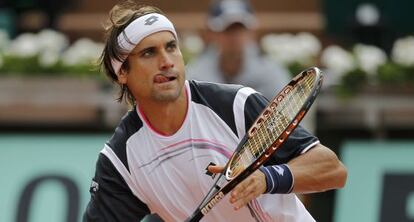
(260, 141)
(273, 125)
(281, 116)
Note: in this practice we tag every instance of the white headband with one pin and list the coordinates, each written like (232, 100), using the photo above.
(138, 30)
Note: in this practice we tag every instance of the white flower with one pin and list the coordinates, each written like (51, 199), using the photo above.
(337, 59)
(193, 43)
(83, 51)
(48, 44)
(25, 45)
(403, 51)
(288, 53)
(309, 44)
(52, 40)
(287, 48)
(48, 58)
(369, 57)
(278, 46)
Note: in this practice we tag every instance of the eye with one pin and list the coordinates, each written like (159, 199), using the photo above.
(171, 46)
(147, 52)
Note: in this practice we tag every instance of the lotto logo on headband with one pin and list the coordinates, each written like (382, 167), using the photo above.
(151, 20)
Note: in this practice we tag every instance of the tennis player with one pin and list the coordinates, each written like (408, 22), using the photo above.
(156, 159)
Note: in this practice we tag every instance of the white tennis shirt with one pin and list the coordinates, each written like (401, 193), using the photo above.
(167, 173)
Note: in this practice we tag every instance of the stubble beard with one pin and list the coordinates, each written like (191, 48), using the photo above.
(168, 95)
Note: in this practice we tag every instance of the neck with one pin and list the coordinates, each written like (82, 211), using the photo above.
(166, 117)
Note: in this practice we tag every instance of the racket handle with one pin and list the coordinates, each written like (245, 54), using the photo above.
(195, 217)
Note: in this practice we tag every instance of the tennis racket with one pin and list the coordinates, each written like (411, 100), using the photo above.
(270, 130)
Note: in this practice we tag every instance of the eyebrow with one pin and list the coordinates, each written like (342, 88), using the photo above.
(144, 50)
(172, 41)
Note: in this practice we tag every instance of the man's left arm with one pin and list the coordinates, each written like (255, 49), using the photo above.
(301, 165)
(317, 170)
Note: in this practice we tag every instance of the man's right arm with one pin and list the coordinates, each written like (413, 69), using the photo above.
(111, 198)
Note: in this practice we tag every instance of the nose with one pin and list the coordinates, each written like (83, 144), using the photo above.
(166, 61)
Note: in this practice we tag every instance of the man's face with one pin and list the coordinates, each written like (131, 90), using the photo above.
(156, 69)
(232, 40)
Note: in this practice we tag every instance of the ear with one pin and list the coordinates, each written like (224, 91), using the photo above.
(122, 76)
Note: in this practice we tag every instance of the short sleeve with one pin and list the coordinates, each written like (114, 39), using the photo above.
(111, 198)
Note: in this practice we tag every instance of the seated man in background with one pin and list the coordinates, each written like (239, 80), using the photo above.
(232, 55)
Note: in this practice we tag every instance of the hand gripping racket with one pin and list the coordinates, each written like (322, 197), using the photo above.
(270, 130)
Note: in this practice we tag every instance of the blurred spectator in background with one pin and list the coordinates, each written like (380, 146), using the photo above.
(232, 55)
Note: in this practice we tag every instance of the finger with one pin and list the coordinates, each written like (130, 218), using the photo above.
(244, 189)
(251, 187)
(215, 169)
(240, 187)
(238, 190)
(244, 201)
(256, 181)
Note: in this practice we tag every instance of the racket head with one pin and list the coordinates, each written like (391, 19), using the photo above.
(243, 158)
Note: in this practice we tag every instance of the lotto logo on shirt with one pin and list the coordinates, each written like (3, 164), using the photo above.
(94, 187)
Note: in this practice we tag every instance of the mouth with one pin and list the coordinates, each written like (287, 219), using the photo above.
(164, 78)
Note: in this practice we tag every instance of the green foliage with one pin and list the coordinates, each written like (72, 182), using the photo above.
(352, 82)
(389, 75)
(409, 75)
(30, 66)
(13, 64)
(392, 73)
(295, 68)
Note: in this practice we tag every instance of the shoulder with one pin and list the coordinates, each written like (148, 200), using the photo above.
(219, 94)
(129, 125)
(228, 101)
(205, 87)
